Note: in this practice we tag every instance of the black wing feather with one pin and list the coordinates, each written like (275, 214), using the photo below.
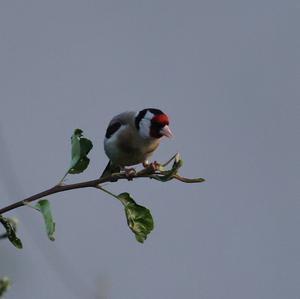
(109, 169)
(112, 129)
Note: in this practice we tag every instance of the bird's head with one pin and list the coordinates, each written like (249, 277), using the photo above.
(152, 123)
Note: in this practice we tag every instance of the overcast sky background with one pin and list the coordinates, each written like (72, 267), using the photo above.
(228, 75)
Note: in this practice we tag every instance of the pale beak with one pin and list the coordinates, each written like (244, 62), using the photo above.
(165, 131)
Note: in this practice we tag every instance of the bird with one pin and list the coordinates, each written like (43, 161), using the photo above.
(131, 138)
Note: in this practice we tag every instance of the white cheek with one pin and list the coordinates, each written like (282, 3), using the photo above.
(148, 115)
(145, 128)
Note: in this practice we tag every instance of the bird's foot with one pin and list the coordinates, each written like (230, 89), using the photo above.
(146, 163)
(153, 166)
(129, 173)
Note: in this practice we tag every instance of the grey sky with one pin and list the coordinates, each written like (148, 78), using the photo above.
(227, 73)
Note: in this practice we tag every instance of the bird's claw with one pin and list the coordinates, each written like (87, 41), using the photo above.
(146, 164)
(153, 166)
(129, 173)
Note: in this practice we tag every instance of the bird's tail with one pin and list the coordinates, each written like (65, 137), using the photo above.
(110, 169)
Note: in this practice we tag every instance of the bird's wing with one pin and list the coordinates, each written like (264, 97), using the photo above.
(125, 118)
(112, 129)
(117, 124)
(110, 169)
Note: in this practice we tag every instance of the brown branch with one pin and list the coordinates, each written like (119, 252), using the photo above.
(60, 188)
(150, 173)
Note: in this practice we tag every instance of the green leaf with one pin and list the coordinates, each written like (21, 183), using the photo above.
(43, 206)
(81, 146)
(11, 232)
(14, 223)
(4, 285)
(139, 218)
(167, 175)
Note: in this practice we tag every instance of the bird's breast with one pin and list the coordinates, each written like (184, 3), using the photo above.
(128, 149)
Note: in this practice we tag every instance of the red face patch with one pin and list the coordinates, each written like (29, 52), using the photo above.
(161, 119)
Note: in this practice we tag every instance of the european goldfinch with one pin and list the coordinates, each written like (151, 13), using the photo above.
(132, 137)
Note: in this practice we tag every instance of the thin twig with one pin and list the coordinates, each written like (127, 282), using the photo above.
(145, 173)
(106, 191)
(187, 180)
(170, 160)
